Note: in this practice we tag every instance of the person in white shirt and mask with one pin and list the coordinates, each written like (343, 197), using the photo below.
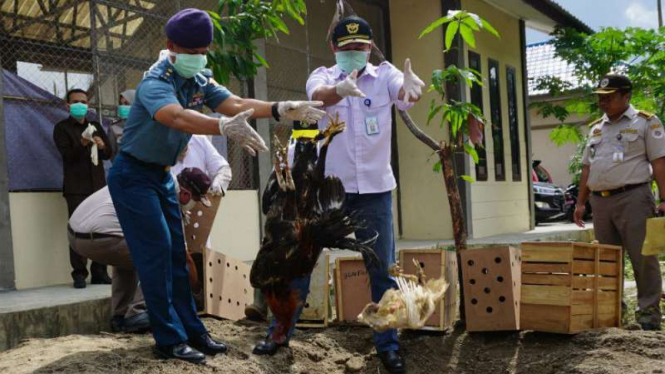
(363, 95)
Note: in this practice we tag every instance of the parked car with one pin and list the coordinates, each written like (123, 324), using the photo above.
(549, 200)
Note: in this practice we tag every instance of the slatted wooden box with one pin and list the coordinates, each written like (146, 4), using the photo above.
(570, 287)
(491, 288)
(315, 310)
(436, 263)
(352, 288)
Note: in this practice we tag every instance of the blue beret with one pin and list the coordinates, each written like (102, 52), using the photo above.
(190, 28)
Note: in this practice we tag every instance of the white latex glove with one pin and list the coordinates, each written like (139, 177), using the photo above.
(238, 129)
(304, 111)
(349, 87)
(220, 182)
(87, 134)
(412, 86)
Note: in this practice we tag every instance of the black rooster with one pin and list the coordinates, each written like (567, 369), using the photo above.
(304, 214)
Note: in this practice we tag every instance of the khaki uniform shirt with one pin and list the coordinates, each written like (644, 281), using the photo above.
(619, 153)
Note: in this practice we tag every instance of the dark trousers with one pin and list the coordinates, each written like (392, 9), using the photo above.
(376, 211)
(78, 262)
(147, 206)
(622, 220)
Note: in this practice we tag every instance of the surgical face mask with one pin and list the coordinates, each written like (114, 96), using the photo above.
(348, 61)
(123, 111)
(78, 110)
(189, 65)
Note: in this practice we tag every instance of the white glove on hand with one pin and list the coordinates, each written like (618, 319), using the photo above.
(304, 111)
(87, 134)
(349, 87)
(238, 129)
(412, 86)
(218, 184)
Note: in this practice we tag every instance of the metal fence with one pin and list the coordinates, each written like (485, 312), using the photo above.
(101, 46)
(105, 46)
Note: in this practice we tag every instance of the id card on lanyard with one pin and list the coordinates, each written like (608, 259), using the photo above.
(371, 125)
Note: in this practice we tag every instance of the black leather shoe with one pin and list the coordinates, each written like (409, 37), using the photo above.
(105, 279)
(136, 324)
(647, 326)
(207, 345)
(79, 283)
(180, 352)
(117, 324)
(393, 362)
(267, 347)
(254, 313)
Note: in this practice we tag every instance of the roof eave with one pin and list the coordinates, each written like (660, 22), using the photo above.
(559, 15)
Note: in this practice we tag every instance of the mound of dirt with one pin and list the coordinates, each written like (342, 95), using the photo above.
(347, 349)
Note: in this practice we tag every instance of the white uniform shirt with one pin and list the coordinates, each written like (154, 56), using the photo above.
(202, 154)
(620, 153)
(96, 214)
(360, 156)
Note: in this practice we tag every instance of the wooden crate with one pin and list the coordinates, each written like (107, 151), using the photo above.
(436, 263)
(315, 310)
(227, 287)
(491, 288)
(352, 288)
(570, 287)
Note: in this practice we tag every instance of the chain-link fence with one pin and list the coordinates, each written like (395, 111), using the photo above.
(100, 46)
(105, 46)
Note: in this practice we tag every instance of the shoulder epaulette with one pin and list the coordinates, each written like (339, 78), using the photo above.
(645, 114)
(592, 124)
(167, 75)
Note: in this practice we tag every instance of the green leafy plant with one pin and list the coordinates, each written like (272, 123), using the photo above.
(464, 121)
(238, 24)
(638, 53)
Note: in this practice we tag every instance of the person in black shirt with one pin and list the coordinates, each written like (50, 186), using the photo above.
(81, 177)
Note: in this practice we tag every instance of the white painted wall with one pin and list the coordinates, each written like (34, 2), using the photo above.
(39, 224)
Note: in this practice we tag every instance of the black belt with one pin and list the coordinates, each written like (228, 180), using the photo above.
(616, 191)
(149, 165)
(90, 235)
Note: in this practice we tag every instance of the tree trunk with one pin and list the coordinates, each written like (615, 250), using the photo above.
(459, 230)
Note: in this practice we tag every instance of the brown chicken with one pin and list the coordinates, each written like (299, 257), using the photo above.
(304, 214)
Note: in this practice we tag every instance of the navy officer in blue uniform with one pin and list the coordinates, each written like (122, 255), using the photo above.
(165, 112)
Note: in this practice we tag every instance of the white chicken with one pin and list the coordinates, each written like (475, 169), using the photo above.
(409, 306)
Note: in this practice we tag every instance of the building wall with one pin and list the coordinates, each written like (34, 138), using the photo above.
(555, 159)
(500, 206)
(41, 256)
(424, 204)
(497, 207)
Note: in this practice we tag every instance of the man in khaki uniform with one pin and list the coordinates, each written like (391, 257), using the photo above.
(623, 148)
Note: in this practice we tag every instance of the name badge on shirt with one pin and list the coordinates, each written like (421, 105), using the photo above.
(372, 125)
(196, 100)
(619, 151)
